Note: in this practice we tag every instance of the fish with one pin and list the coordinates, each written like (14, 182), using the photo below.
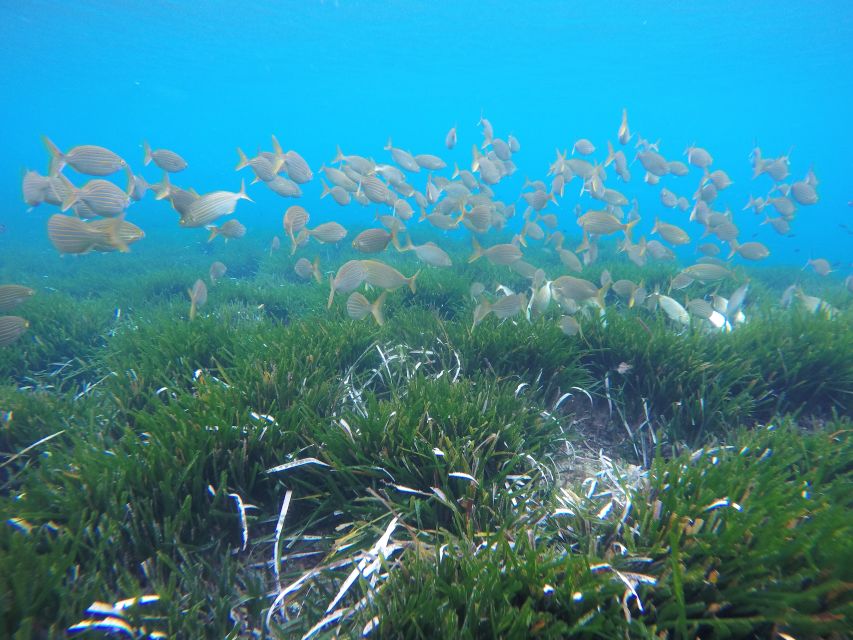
(698, 157)
(285, 187)
(327, 232)
(604, 223)
(672, 308)
(569, 326)
(704, 272)
(820, 266)
(211, 206)
(101, 196)
(700, 308)
(375, 190)
(294, 220)
(12, 295)
(262, 166)
(34, 186)
(429, 252)
(88, 159)
(12, 328)
(735, 302)
(339, 178)
(216, 272)
(228, 230)
(163, 158)
(450, 138)
(576, 289)
(624, 134)
(403, 158)
(126, 234)
(430, 162)
(499, 254)
(668, 198)
(339, 194)
(505, 307)
(672, 234)
(70, 235)
(372, 240)
(748, 250)
(379, 274)
(583, 147)
(306, 269)
(804, 193)
(359, 307)
(198, 297)
(348, 278)
(275, 245)
(513, 143)
(297, 169)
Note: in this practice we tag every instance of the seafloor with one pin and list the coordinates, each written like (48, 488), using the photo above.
(277, 469)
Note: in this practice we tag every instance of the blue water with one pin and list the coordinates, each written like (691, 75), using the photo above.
(203, 78)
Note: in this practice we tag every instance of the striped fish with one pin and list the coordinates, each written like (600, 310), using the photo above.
(297, 169)
(386, 277)
(348, 278)
(89, 159)
(35, 188)
(11, 295)
(211, 206)
(11, 328)
(285, 187)
(358, 307)
(101, 196)
(376, 190)
(198, 297)
(126, 232)
(70, 235)
(163, 158)
(263, 167)
(328, 232)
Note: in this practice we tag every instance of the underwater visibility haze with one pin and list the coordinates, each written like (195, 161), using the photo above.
(426, 319)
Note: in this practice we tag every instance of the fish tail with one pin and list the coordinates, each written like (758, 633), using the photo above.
(326, 190)
(455, 171)
(331, 291)
(277, 147)
(214, 231)
(395, 240)
(478, 250)
(57, 160)
(388, 145)
(376, 309)
(146, 150)
(192, 305)
(315, 269)
(602, 294)
(611, 154)
(115, 234)
(339, 155)
(629, 227)
(733, 246)
(165, 188)
(241, 194)
(423, 215)
(412, 282)
(243, 160)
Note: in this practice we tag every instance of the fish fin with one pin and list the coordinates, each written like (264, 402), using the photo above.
(277, 147)
(192, 305)
(242, 193)
(57, 160)
(611, 154)
(478, 250)
(114, 232)
(243, 162)
(315, 269)
(395, 240)
(388, 145)
(165, 188)
(455, 171)
(376, 308)
(331, 291)
(73, 194)
(412, 282)
(146, 150)
(630, 226)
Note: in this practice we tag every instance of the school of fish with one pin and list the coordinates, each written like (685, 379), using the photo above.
(92, 217)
